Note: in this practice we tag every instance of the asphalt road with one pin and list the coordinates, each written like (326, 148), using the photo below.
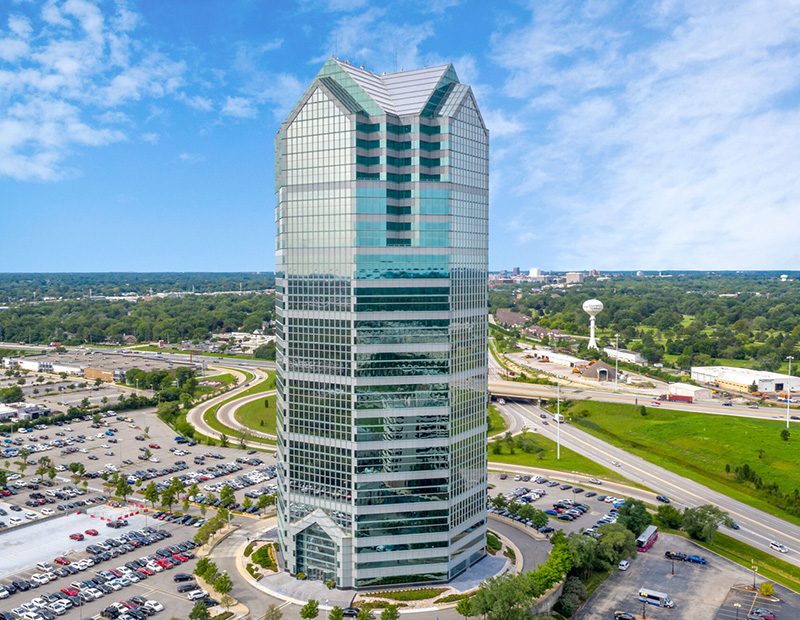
(758, 528)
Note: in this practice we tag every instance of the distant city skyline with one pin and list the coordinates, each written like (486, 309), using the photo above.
(138, 136)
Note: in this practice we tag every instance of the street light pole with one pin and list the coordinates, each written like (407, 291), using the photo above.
(737, 606)
(788, 388)
(755, 569)
(616, 361)
(558, 421)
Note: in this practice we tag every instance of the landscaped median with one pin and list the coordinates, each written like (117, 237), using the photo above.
(210, 416)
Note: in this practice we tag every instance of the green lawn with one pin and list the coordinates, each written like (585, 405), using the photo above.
(264, 386)
(182, 352)
(546, 459)
(254, 413)
(497, 423)
(698, 446)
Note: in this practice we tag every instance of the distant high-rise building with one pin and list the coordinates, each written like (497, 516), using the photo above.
(535, 272)
(382, 187)
(516, 271)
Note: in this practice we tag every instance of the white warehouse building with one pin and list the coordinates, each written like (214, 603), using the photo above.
(687, 389)
(624, 355)
(740, 379)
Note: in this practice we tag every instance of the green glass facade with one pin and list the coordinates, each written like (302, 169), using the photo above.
(381, 260)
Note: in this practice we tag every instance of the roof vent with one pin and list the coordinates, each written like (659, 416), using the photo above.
(347, 62)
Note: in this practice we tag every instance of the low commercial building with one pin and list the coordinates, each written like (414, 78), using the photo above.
(562, 359)
(741, 379)
(23, 411)
(598, 371)
(687, 389)
(624, 355)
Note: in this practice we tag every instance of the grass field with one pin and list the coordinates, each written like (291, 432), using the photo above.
(698, 446)
(253, 413)
(497, 423)
(264, 386)
(570, 461)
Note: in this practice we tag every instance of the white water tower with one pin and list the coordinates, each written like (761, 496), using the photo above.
(592, 307)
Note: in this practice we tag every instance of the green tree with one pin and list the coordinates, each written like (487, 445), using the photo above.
(200, 612)
(365, 614)
(168, 498)
(274, 613)
(227, 495)
(701, 523)
(501, 598)
(223, 440)
(616, 543)
(3, 478)
(310, 610)
(151, 494)
(337, 613)
(247, 503)
(390, 613)
(785, 434)
(767, 589)
(634, 516)
(464, 607)
(223, 584)
(669, 516)
(123, 488)
(202, 566)
(264, 501)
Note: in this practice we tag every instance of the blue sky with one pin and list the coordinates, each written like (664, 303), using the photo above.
(137, 135)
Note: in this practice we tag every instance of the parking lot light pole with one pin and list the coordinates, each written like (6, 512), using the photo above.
(616, 361)
(755, 570)
(737, 606)
(673, 565)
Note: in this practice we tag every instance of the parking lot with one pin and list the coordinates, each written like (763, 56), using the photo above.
(597, 508)
(700, 592)
(82, 504)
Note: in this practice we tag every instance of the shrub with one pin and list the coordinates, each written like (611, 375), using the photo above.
(767, 589)
(409, 595)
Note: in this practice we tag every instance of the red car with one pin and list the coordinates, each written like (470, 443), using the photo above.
(76, 536)
(116, 573)
(154, 445)
(164, 563)
(92, 532)
(70, 591)
(180, 558)
(146, 571)
(62, 560)
(129, 604)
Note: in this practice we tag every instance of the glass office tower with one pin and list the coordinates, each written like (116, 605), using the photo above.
(382, 186)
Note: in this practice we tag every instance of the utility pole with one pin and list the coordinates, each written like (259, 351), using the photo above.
(616, 361)
(788, 389)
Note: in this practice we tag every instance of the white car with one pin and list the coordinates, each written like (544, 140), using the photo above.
(30, 516)
(778, 547)
(82, 565)
(96, 594)
(155, 567)
(15, 520)
(114, 585)
(39, 602)
(155, 605)
(196, 594)
(48, 511)
(57, 608)
(624, 565)
(39, 579)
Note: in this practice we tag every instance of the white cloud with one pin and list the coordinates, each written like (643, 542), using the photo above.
(240, 107)
(68, 73)
(191, 158)
(150, 138)
(674, 149)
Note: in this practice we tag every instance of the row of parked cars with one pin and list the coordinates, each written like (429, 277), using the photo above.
(682, 557)
(567, 510)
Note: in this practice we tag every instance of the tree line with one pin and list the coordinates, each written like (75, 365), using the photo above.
(76, 322)
(758, 321)
(36, 286)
